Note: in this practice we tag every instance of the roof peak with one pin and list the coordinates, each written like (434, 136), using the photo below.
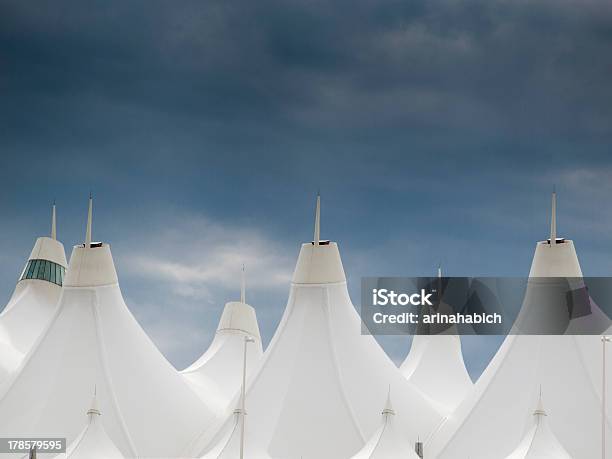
(553, 218)
(388, 409)
(242, 286)
(89, 222)
(539, 411)
(53, 223)
(94, 409)
(317, 225)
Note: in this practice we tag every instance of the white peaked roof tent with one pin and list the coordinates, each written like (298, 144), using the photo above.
(93, 339)
(227, 445)
(435, 365)
(540, 442)
(387, 442)
(569, 367)
(217, 374)
(93, 442)
(321, 379)
(33, 301)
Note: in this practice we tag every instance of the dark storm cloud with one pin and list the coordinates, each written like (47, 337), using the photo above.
(519, 68)
(435, 130)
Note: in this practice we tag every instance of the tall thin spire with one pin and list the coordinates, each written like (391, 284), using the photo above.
(539, 411)
(440, 271)
(242, 286)
(317, 227)
(94, 409)
(89, 219)
(53, 223)
(388, 410)
(553, 219)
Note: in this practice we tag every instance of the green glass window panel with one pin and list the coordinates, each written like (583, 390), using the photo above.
(52, 276)
(44, 270)
(41, 269)
(36, 267)
(47, 271)
(31, 269)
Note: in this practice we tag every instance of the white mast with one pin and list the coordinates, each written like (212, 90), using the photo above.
(317, 228)
(53, 223)
(94, 410)
(242, 286)
(553, 219)
(388, 410)
(89, 219)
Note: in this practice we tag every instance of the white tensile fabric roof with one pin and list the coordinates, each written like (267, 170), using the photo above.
(29, 308)
(568, 368)
(217, 374)
(315, 392)
(387, 442)
(540, 442)
(93, 442)
(93, 340)
(435, 365)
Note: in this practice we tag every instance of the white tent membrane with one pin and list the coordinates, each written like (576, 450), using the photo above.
(540, 441)
(388, 442)
(568, 367)
(93, 442)
(33, 301)
(435, 365)
(321, 379)
(93, 340)
(217, 374)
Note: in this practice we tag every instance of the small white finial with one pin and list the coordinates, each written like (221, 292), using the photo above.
(388, 410)
(242, 286)
(553, 219)
(94, 410)
(317, 228)
(53, 222)
(89, 220)
(540, 408)
(440, 271)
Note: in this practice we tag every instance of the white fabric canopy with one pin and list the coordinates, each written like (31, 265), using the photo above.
(435, 365)
(388, 442)
(93, 340)
(217, 374)
(93, 442)
(540, 442)
(29, 309)
(320, 379)
(568, 368)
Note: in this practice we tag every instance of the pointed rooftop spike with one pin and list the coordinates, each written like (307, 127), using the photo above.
(539, 411)
(440, 271)
(317, 228)
(94, 409)
(243, 286)
(53, 223)
(553, 219)
(388, 410)
(89, 220)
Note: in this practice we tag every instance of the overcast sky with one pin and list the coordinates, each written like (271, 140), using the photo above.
(435, 131)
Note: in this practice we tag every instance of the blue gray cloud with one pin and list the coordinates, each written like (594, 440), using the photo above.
(434, 129)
